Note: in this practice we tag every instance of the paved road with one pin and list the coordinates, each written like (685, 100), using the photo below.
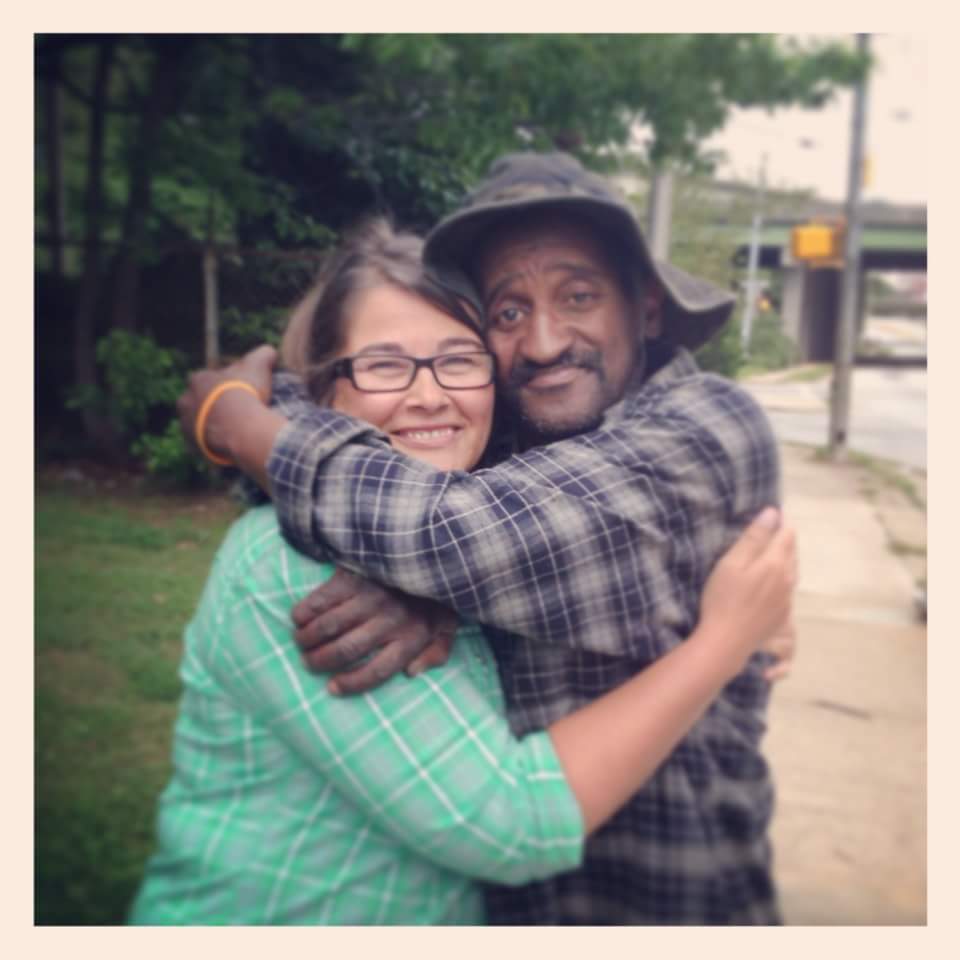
(888, 415)
(888, 408)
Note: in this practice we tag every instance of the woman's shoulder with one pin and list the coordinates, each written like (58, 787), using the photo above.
(254, 545)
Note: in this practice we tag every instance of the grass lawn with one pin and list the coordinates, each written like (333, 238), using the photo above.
(117, 577)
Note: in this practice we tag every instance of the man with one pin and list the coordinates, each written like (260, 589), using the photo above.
(590, 546)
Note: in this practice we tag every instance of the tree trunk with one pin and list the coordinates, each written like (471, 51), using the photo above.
(165, 87)
(55, 199)
(660, 212)
(85, 368)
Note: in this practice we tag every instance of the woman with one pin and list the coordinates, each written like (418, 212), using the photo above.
(290, 805)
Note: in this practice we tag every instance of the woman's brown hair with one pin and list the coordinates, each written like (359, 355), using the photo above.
(372, 254)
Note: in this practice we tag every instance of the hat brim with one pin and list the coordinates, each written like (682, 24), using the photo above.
(693, 309)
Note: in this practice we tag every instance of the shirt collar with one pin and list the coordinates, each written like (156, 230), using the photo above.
(681, 364)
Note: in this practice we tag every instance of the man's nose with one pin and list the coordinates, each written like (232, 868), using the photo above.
(546, 337)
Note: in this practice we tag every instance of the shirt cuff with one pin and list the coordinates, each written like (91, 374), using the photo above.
(299, 450)
(562, 834)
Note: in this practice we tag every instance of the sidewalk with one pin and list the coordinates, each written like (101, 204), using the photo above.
(847, 734)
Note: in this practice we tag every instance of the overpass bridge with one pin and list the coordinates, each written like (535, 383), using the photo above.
(893, 238)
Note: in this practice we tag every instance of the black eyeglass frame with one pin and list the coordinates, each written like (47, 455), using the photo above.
(344, 368)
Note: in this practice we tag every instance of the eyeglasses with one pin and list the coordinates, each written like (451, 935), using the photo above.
(382, 373)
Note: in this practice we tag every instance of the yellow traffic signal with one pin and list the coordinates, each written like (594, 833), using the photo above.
(817, 242)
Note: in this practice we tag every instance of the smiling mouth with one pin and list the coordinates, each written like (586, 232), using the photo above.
(554, 378)
(427, 438)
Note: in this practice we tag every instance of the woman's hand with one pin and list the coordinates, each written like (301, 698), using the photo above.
(746, 600)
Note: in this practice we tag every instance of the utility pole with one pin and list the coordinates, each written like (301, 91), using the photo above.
(750, 306)
(660, 212)
(840, 387)
(211, 310)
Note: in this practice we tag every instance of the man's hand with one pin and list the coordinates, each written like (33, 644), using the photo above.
(255, 368)
(349, 618)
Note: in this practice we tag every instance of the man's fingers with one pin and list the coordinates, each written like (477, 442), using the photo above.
(392, 659)
(257, 366)
(345, 651)
(341, 588)
(339, 622)
(436, 653)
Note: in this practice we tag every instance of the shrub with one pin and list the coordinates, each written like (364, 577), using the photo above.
(141, 384)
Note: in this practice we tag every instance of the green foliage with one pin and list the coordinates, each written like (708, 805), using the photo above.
(139, 376)
(167, 456)
(723, 353)
(142, 383)
(116, 582)
(281, 140)
(242, 330)
(287, 135)
(769, 348)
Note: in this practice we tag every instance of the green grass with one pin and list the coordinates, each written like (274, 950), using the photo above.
(117, 578)
(808, 373)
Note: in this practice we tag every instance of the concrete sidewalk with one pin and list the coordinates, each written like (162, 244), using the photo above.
(847, 735)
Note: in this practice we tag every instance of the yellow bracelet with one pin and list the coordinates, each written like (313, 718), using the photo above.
(207, 406)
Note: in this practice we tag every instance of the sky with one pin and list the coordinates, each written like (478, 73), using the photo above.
(811, 148)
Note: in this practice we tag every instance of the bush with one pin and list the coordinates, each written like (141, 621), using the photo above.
(723, 353)
(770, 348)
(142, 382)
(167, 457)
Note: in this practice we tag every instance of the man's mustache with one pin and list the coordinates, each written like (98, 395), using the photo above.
(523, 371)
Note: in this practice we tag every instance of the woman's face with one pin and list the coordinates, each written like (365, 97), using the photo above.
(446, 428)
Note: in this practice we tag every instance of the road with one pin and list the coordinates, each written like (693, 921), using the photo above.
(888, 408)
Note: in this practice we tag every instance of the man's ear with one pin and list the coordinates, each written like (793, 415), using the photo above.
(651, 302)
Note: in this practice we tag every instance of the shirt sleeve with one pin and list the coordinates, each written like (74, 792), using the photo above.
(430, 760)
(569, 543)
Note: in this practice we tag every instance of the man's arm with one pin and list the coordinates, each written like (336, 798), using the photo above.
(570, 543)
(573, 543)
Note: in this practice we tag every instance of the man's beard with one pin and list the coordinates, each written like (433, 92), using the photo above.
(535, 430)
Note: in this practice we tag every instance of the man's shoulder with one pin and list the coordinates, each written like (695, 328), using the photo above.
(682, 391)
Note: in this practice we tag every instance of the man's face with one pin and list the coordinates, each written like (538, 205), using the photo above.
(564, 334)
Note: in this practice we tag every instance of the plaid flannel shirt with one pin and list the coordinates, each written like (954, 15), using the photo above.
(586, 558)
(292, 806)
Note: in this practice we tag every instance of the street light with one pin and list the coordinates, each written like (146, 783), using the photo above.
(750, 306)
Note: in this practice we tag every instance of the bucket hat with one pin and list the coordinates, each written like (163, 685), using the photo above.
(693, 309)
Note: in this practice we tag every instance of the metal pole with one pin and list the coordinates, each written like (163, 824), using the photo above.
(211, 310)
(211, 319)
(750, 306)
(840, 388)
(659, 213)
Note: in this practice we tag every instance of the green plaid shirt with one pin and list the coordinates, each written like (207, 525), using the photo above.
(288, 805)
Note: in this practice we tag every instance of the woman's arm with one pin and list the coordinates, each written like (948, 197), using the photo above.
(611, 747)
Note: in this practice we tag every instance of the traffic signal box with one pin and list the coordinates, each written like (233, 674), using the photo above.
(818, 244)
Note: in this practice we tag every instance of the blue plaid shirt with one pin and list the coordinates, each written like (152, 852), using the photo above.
(586, 559)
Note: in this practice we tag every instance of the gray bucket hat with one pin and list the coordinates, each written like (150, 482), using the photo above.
(693, 309)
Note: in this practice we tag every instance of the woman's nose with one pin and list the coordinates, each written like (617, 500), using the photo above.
(425, 391)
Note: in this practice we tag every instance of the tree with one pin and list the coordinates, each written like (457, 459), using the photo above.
(287, 139)
(90, 287)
